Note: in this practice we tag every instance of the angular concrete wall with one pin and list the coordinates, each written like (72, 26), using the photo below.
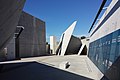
(10, 11)
(113, 73)
(104, 48)
(73, 46)
(32, 39)
(66, 37)
(68, 44)
(84, 48)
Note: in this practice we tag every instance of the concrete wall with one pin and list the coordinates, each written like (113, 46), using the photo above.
(11, 50)
(47, 48)
(73, 46)
(108, 23)
(32, 39)
(3, 55)
(85, 42)
(113, 73)
(53, 44)
(104, 47)
(65, 39)
(10, 11)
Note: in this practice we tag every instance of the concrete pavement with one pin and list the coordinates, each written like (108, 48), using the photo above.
(48, 68)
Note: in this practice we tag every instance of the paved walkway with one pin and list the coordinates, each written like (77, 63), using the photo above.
(48, 68)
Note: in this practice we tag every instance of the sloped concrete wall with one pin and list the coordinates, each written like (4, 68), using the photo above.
(104, 48)
(10, 11)
(113, 73)
(73, 46)
(65, 39)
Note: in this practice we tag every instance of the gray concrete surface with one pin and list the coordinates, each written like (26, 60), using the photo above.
(9, 15)
(11, 50)
(73, 46)
(104, 48)
(113, 73)
(47, 68)
(32, 39)
(65, 39)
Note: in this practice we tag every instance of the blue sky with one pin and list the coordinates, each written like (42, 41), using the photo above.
(59, 14)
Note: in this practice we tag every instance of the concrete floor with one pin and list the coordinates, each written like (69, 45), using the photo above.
(48, 68)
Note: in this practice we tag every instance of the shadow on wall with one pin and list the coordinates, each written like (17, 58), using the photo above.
(73, 46)
(84, 51)
(36, 71)
(113, 73)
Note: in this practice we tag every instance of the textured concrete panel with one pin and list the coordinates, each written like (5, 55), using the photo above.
(114, 72)
(65, 39)
(104, 48)
(73, 46)
(32, 39)
(9, 16)
(11, 49)
(111, 24)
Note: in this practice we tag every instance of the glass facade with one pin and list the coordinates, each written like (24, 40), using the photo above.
(104, 51)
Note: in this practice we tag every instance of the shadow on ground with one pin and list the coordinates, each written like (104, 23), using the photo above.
(36, 71)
